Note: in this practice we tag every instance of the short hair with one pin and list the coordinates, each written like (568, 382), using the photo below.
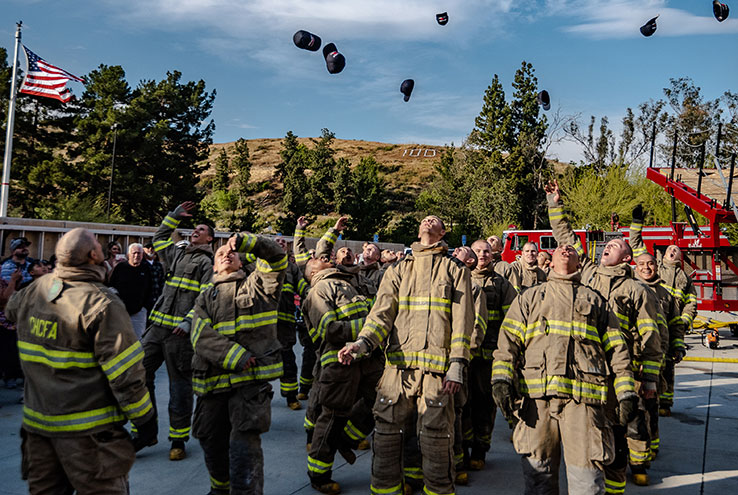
(211, 231)
(135, 245)
(531, 243)
(33, 264)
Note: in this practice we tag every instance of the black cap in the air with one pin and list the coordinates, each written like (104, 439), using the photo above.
(334, 61)
(307, 41)
(406, 88)
(649, 28)
(544, 99)
(720, 10)
(442, 18)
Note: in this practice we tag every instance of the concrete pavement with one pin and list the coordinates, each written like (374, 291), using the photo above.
(699, 444)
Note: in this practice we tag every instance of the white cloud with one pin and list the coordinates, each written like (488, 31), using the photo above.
(623, 18)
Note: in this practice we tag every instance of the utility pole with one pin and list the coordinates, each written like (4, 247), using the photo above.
(5, 185)
(114, 128)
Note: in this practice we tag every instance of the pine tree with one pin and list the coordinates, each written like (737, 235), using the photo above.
(222, 172)
(242, 165)
(289, 147)
(492, 127)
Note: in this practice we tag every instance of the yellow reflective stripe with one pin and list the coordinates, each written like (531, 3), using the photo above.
(638, 457)
(647, 325)
(123, 361)
(612, 338)
(307, 424)
(329, 237)
(179, 433)
(514, 327)
(199, 325)
(276, 266)
(183, 283)
(677, 344)
(353, 432)
(376, 329)
(395, 490)
(245, 322)
(636, 227)
(328, 357)
(347, 311)
(164, 319)
(170, 222)
(494, 314)
(614, 486)
(286, 317)
(687, 319)
(299, 232)
(425, 303)
(553, 385)
(318, 466)
(287, 386)
(219, 485)
(73, 422)
(556, 213)
(300, 257)
(462, 341)
(234, 355)
(301, 287)
(35, 353)
(248, 242)
(139, 408)
(481, 322)
(502, 369)
(651, 367)
(218, 382)
(356, 327)
(624, 384)
(159, 245)
(418, 360)
(288, 287)
(578, 247)
(426, 491)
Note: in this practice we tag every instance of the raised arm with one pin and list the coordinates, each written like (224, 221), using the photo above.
(163, 243)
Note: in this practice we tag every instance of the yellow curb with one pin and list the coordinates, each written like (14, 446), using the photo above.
(711, 360)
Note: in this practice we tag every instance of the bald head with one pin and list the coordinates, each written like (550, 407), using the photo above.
(78, 247)
(315, 265)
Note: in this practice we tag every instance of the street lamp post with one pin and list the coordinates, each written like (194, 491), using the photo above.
(114, 128)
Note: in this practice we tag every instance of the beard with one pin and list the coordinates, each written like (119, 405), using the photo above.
(22, 255)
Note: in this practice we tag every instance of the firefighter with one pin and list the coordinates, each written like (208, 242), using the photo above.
(370, 266)
(424, 312)
(237, 352)
(525, 272)
(84, 376)
(334, 312)
(544, 261)
(189, 270)
(294, 284)
(479, 413)
(672, 335)
(679, 284)
(637, 309)
(558, 341)
(301, 256)
(502, 267)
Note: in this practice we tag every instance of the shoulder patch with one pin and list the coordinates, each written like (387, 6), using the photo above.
(56, 288)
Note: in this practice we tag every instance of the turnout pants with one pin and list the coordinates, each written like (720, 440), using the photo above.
(340, 388)
(228, 426)
(549, 424)
(161, 346)
(479, 412)
(402, 393)
(287, 335)
(666, 399)
(96, 463)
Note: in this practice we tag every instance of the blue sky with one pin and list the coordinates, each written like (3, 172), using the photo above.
(589, 55)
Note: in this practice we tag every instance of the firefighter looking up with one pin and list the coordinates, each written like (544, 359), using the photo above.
(334, 313)
(679, 284)
(479, 414)
(237, 352)
(370, 266)
(294, 284)
(672, 335)
(500, 266)
(189, 270)
(525, 271)
(423, 316)
(84, 377)
(637, 309)
(558, 341)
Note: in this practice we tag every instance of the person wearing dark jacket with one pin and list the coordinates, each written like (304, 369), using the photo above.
(132, 280)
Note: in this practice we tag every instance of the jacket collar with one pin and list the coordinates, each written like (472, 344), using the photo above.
(487, 271)
(88, 273)
(621, 270)
(653, 282)
(575, 277)
(220, 278)
(199, 248)
(423, 250)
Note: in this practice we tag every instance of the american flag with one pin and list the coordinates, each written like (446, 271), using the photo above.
(44, 79)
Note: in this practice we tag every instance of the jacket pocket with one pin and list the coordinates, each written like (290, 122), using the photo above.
(114, 453)
(336, 389)
(388, 394)
(250, 408)
(601, 443)
(533, 374)
(592, 373)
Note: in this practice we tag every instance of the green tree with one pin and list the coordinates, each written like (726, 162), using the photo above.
(222, 172)
(343, 190)
(242, 165)
(289, 148)
(368, 205)
(492, 128)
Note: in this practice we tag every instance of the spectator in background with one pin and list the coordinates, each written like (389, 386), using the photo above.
(18, 260)
(10, 367)
(157, 271)
(37, 269)
(52, 263)
(115, 256)
(132, 280)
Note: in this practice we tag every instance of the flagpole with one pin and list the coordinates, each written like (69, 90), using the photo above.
(5, 185)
